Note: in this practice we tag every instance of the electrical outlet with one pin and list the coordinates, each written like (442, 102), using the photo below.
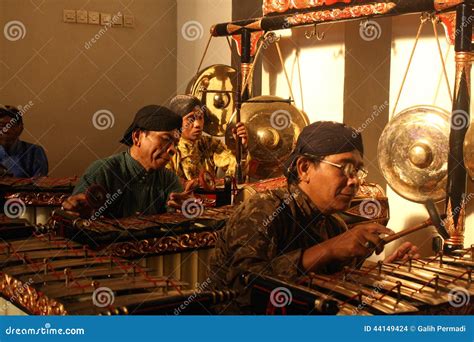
(81, 16)
(69, 16)
(94, 18)
(128, 21)
(105, 19)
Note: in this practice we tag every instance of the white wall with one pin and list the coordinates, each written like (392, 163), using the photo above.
(321, 66)
(195, 18)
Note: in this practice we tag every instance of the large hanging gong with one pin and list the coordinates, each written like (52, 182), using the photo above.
(413, 153)
(273, 125)
(214, 87)
(469, 151)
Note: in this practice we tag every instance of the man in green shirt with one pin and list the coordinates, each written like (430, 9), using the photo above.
(136, 181)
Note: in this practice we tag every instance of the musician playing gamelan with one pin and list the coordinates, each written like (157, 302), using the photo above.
(136, 181)
(290, 232)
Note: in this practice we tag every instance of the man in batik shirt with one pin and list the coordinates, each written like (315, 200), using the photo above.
(292, 231)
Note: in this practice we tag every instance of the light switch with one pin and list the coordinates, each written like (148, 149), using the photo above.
(94, 18)
(81, 16)
(128, 21)
(105, 19)
(69, 16)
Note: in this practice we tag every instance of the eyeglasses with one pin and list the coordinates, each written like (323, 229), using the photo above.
(349, 170)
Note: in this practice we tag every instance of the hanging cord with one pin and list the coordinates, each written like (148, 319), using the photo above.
(423, 20)
(284, 69)
(434, 21)
(204, 54)
(300, 81)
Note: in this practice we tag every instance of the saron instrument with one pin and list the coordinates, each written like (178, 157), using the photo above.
(44, 274)
(439, 285)
(34, 198)
(174, 244)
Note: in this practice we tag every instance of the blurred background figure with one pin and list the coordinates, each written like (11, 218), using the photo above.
(18, 158)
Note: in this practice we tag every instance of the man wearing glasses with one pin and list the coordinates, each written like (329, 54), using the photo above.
(290, 232)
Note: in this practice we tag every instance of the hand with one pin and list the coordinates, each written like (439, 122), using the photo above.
(191, 184)
(360, 241)
(406, 251)
(241, 132)
(176, 199)
(77, 204)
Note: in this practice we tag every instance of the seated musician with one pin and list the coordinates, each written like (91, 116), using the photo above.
(18, 158)
(197, 152)
(290, 232)
(136, 181)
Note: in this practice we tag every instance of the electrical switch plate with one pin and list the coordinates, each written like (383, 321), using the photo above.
(69, 16)
(81, 16)
(128, 21)
(94, 18)
(117, 20)
(105, 19)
